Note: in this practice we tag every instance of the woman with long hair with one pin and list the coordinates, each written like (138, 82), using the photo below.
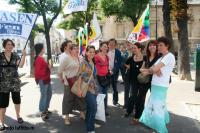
(155, 114)
(69, 67)
(42, 71)
(88, 74)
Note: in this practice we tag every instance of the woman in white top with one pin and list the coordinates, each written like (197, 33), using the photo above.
(155, 114)
(69, 67)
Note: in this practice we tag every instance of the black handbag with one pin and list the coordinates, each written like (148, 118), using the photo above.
(104, 81)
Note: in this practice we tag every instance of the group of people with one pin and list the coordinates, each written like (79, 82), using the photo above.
(100, 70)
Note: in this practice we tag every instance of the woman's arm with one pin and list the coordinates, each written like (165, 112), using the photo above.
(21, 63)
(154, 69)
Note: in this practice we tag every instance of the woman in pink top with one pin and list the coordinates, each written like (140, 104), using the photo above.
(102, 67)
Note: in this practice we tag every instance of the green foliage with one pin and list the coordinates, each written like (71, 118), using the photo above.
(78, 19)
(131, 9)
(179, 8)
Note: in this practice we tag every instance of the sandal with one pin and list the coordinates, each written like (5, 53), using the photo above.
(2, 127)
(135, 121)
(20, 120)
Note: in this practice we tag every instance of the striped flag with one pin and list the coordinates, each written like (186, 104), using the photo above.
(141, 31)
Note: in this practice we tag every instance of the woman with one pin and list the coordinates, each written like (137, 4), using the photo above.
(155, 114)
(9, 80)
(150, 58)
(42, 77)
(88, 74)
(69, 67)
(102, 66)
(134, 63)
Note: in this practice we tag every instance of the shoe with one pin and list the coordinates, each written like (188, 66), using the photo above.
(44, 116)
(2, 127)
(97, 125)
(67, 121)
(116, 104)
(135, 121)
(91, 132)
(48, 112)
(20, 120)
(126, 115)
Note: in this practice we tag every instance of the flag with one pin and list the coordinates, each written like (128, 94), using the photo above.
(95, 30)
(75, 6)
(16, 25)
(83, 38)
(141, 31)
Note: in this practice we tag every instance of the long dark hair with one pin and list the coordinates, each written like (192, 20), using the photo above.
(87, 49)
(148, 53)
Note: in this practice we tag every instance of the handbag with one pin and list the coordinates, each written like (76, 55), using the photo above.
(81, 92)
(143, 78)
(104, 81)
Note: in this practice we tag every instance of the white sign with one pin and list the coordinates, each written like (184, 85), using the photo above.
(160, 2)
(14, 24)
(75, 6)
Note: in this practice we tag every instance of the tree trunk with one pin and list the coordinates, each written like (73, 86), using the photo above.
(183, 54)
(167, 23)
(32, 55)
(47, 36)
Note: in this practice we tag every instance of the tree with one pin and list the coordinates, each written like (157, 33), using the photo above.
(49, 10)
(78, 19)
(179, 9)
(27, 7)
(131, 9)
(167, 22)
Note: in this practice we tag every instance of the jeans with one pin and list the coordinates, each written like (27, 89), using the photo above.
(114, 79)
(45, 97)
(104, 90)
(91, 111)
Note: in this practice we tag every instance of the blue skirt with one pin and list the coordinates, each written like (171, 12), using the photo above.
(155, 114)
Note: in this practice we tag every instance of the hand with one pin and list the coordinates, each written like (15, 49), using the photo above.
(24, 52)
(144, 71)
(159, 73)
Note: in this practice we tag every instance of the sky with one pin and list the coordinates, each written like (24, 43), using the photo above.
(6, 7)
(13, 8)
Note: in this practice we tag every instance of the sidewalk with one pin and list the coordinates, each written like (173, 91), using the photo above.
(183, 105)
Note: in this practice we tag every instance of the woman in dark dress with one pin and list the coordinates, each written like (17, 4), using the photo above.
(134, 63)
(9, 80)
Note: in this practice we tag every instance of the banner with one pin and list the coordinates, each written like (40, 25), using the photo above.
(95, 30)
(83, 39)
(14, 24)
(75, 6)
(141, 31)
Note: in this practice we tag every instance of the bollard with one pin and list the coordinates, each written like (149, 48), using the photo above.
(197, 79)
